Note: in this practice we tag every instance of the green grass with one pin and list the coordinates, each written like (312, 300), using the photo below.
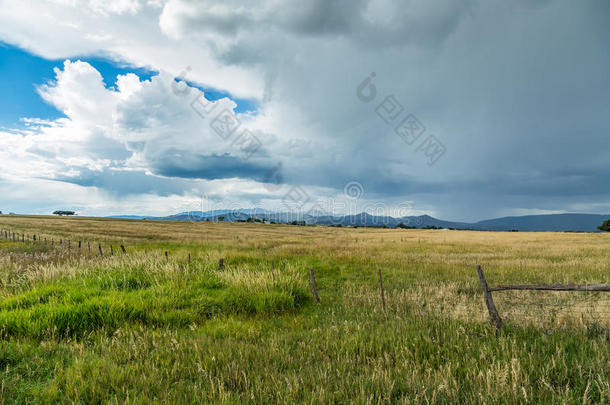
(131, 291)
(76, 328)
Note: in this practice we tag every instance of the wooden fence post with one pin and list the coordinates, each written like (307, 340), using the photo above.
(111, 251)
(189, 260)
(221, 264)
(166, 257)
(382, 295)
(79, 244)
(123, 249)
(99, 246)
(491, 307)
(314, 287)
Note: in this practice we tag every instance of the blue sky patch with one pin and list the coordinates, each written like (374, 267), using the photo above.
(22, 72)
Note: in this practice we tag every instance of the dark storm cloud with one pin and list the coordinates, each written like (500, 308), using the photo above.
(516, 91)
(123, 183)
(182, 164)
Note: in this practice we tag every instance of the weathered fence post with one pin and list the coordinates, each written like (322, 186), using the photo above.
(89, 246)
(189, 259)
(491, 307)
(79, 244)
(99, 246)
(34, 238)
(123, 249)
(166, 257)
(381, 287)
(314, 288)
(111, 251)
(69, 243)
(221, 264)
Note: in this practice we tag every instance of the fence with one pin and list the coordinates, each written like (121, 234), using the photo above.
(494, 316)
(51, 242)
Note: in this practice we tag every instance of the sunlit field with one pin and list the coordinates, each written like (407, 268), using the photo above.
(77, 326)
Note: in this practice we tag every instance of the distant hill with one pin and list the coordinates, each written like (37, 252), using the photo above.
(527, 223)
(553, 222)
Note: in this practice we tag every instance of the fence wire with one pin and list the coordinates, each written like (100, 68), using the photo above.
(551, 307)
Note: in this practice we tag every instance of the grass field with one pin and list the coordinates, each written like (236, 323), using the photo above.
(137, 328)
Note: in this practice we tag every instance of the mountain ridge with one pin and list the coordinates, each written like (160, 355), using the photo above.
(526, 223)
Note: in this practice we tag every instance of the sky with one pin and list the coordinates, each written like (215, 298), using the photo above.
(460, 109)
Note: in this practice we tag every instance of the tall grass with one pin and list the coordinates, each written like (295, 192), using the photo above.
(78, 297)
(139, 329)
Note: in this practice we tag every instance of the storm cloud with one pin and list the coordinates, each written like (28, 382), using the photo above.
(514, 95)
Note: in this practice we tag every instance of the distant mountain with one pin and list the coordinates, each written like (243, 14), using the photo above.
(528, 223)
(552, 222)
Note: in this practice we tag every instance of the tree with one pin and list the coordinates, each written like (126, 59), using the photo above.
(605, 226)
(62, 213)
(221, 218)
